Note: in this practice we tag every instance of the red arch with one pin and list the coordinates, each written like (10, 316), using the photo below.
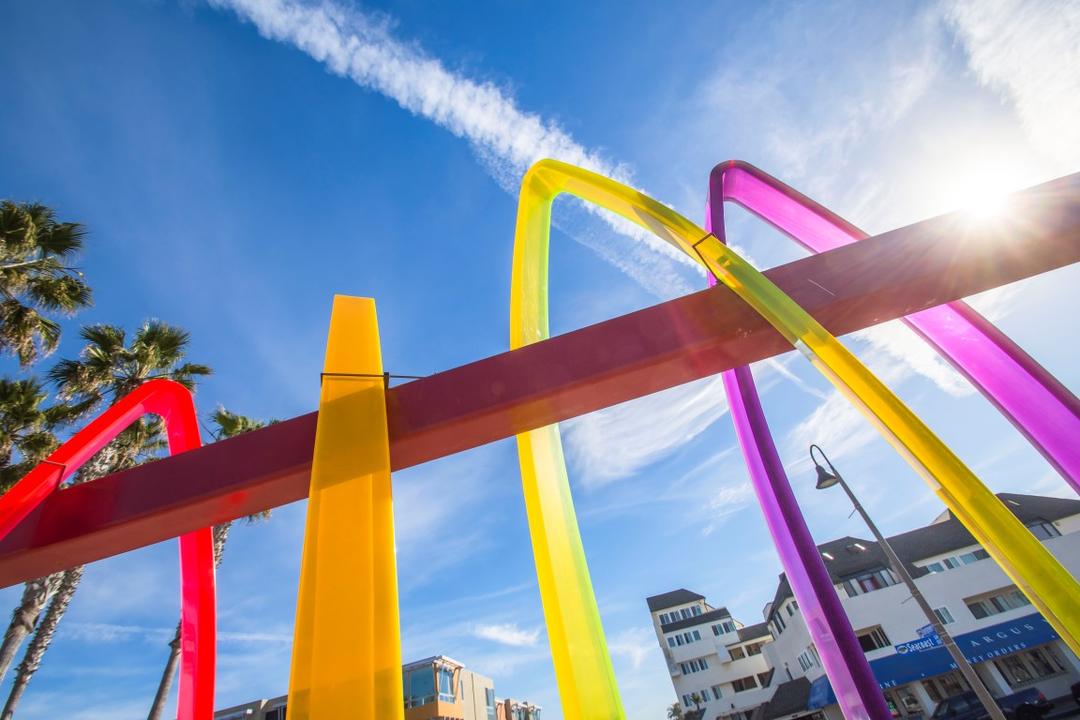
(173, 403)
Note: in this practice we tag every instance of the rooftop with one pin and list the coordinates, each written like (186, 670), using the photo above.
(705, 617)
(752, 632)
(682, 596)
(849, 556)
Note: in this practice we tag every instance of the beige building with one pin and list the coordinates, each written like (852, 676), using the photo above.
(435, 688)
(510, 709)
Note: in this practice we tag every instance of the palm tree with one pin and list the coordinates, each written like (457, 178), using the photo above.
(36, 278)
(228, 425)
(26, 438)
(26, 428)
(675, 711)
(108, 369)
(696, 699)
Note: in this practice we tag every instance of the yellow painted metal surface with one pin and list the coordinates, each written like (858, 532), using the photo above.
(587, 686)
(346, 661)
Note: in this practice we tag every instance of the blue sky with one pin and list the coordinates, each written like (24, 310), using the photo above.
(238, 162)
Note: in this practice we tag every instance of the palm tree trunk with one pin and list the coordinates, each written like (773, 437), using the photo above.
(221, 534)
(65, 584)
(165, 684)
(25, 617)
(43, 637)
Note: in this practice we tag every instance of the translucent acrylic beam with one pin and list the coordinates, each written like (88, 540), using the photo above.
(346, 659)
(1030, 397)
(1036, 403)
(173, 404)
(579, 652)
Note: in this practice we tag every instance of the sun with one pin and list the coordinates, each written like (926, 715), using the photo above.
(982, 196)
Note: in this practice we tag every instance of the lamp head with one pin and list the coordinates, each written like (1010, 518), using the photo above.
(825, 479)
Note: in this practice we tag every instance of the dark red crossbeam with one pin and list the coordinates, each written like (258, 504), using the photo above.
(878, 279)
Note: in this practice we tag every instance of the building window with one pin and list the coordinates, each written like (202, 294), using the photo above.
(743, 684)
(974, 556)
(697, 611)
(778, 621)
(489, 700)
(446, 684)
(1030, 665)
(736, 653)
(693, 666)
(1001, 601)
(420, 686)
(943, 615)
(277, 713)
(808, 658)
(873, 639)
(1043, 530)
(951, 563)
(869, 582)
(792, 607)
(753, 648)
(723, 628)
(764, 677)
(684, 638)
(716, 692)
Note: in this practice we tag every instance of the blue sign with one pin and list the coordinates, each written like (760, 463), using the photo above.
(917, 663)
(927, 642)
(926, 630)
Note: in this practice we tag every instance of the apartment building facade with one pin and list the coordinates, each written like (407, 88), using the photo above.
(511, 709)
(435, 688)
(716, 663)
(1010, 645)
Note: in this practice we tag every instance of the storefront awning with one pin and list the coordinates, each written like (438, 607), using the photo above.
(978, 646)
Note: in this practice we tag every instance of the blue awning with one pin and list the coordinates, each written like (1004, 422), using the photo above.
(978, 646)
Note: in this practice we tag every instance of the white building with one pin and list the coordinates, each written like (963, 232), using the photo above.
(716, 663)
(1010, 645)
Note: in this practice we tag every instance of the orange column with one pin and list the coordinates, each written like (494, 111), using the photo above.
(346, 661)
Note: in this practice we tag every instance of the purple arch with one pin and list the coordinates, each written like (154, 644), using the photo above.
(1036, 403)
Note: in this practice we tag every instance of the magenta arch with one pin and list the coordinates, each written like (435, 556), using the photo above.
(1033, 400)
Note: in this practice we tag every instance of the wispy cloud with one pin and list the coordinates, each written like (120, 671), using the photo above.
(507, 634)
(616, 442)
(506, 138)
(115, 633)
(896, 352)
(1029, 53)
(835, 424)
(727, 501)
(634, 643)
(429, 502)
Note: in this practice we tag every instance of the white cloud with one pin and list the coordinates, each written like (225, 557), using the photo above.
(99, 633)
(507, 634)
(835, 424)
(896, 352)
(429, 502)
(1029, 52)
(507, 139)
(620, 440)
(635, 644)
(725, 502)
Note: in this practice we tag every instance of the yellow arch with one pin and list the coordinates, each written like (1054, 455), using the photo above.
(583, 669)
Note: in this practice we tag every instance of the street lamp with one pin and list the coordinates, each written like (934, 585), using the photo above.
(830, 477)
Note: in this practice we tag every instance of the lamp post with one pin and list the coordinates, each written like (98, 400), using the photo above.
(830, 477)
